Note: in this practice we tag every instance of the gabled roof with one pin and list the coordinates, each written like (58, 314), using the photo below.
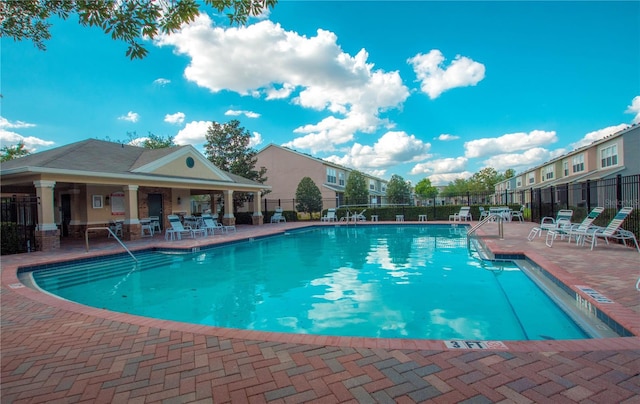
(100, 158)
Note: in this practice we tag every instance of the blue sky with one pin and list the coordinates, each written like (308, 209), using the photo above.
(433, 90)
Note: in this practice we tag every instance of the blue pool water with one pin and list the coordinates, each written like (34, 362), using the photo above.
(386, 281)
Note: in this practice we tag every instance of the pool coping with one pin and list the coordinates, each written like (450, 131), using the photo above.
(624, 316)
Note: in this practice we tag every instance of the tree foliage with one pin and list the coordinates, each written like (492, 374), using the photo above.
(355, 191)
(308, 196)
(398, 190)
(425, 190)
(11, 152)
(157, 142)
(130, 21)
(484, 180)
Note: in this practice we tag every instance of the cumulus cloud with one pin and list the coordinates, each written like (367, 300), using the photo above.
(264, 60)
(634, 108)
(175, 119)
(161, 82)
(131, 117)
(509, 143)
(11, 138)
(435, 78)
(255, 140)
(441, 166)
(521, 161)
(597, 135)
(446, 137)
(193, 133)
(446, 178)
(248, 114)
(391, 149)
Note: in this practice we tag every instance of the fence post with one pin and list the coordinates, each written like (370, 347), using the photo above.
(588, 195)
(618, 191)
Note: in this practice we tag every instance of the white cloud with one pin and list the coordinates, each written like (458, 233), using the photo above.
(131, 117)
(441, 166)
(391, 149)
(193, 133)
(597, 135)
(446, 137)
(521, 161)
(175, 119)
(634, 108)
(509, 143)
(255, 140)
(248, 114)
(436, 79)
(445, 179)
(161, 82)
(264, 60)
(10, 138)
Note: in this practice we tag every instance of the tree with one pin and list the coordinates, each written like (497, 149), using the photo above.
(510, 173)
(157, 142)
(425, 190)
(355, 191)
(398, 190)
(308, 196)
(227, 147)
(12, 152)
(485, 180)
(130, 21)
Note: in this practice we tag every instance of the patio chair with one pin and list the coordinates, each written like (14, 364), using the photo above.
(177, 229)
(518, 214)
(483, 213)
(116, 228)
(613, 230)
(574, 230)
(562, 219)
(330, 216)
(359, 217)
(277, 216)
(464, 214)
(211, 225)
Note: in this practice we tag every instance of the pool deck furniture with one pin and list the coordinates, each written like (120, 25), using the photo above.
(422, 218)
(579, 231)
(399, 218)
(59, 351)
(614, 230)
(463, 215)
(330, 216)
(278, 216)
(177, 229)
(562, 219)
(146, 228)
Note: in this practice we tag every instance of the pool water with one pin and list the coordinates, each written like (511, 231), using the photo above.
(387, 281)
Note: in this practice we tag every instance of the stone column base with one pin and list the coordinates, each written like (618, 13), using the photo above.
(229, 221)
(257, 220)
(47, 240)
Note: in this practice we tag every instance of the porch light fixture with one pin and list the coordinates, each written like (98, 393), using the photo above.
(179, 200)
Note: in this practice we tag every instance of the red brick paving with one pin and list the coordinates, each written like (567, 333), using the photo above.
(57, 351)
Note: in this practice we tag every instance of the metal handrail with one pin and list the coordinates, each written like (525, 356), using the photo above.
(491, 216)
(86, 237)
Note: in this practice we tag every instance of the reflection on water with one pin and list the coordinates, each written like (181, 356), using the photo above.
(378, 281)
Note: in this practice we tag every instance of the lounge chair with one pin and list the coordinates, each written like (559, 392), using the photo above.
(177, 230)
(483, 213)
(464, 214)
(360, 217)
(562, 219)
(613, 230)
(278, 217)
(211, 225)
(518, 214)
(573, 230)
(330, 216)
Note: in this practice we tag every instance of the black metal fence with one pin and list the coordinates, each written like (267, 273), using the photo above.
(19, 216)
(581, 197)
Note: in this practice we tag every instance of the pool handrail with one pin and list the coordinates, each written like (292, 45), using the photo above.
(86, 237)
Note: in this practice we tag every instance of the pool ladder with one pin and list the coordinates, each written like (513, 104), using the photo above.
(86, 237)
(491, 217)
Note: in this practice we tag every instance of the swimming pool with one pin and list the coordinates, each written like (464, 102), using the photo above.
(385, 281)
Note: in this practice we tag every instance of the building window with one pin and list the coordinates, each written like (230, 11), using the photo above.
(372, 185)
(577, 163)
(609, 156)
(519, 182)
(341, 179)
(331, 175)
(532, 178)
(547, 173)
(565, 168)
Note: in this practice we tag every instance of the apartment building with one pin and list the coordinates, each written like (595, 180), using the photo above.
(286, 168)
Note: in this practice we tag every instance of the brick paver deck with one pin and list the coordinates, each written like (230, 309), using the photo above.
(58, 351)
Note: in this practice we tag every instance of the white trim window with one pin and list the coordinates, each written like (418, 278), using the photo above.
(609, 156)
(372, 185)
(547, 173)
(577, 163)
(341, 179)
(331, 175)
(565, 168)
(532, 178)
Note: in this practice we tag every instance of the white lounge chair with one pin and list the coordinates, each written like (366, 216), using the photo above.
(360, 217)
(211, 225)
(463, 215)
(573, 230)
(177, 230)
(518, 214)
(562, 219)
(278, 217)
(330, 216)
(613, 230)
(483, 213)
